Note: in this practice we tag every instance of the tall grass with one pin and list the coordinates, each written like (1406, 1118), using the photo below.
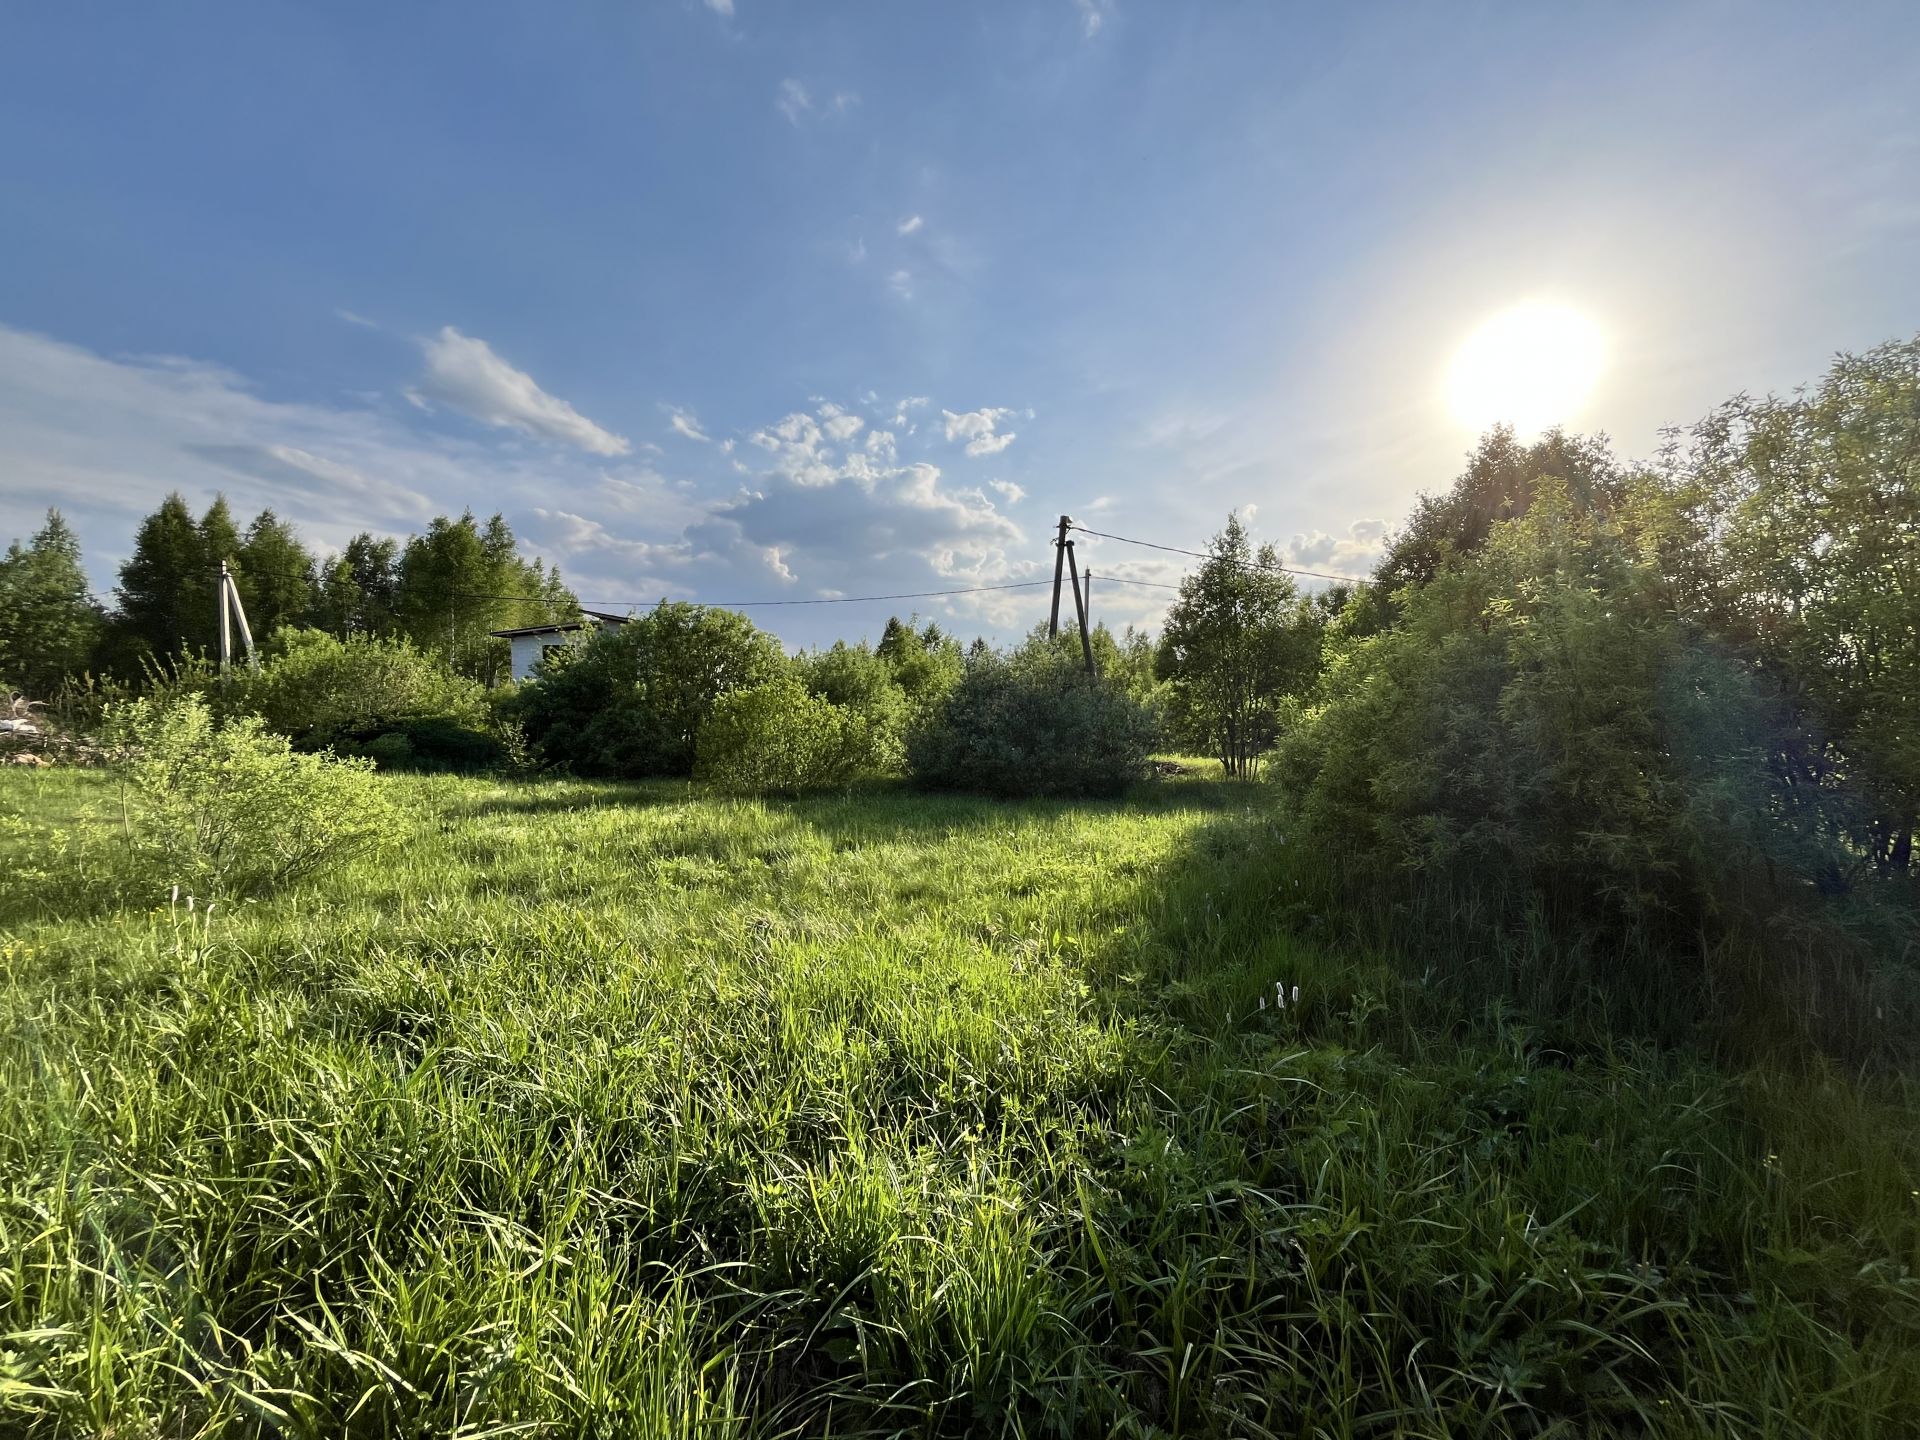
(623, 1111)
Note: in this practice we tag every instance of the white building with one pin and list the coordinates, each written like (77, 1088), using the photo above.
(530, 642)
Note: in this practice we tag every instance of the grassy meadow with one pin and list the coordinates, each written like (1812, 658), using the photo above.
(627, 1110)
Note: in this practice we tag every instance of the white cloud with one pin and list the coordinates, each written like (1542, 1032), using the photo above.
(1354, 553)
(465, 374)
(1013, 493)
(1093, 14)
(979, 429)
(105, 438)
(353, 317)
(572, 534)
(831, 506)
(901, 283)
(910, 225)
(798, 449)
(838, 424)
(792, 100)
(685, 423)
(721, 7)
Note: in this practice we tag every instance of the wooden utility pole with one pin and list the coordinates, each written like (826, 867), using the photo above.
(232, 612)
(240, 618)
(1059, 563)
(1080, 607)
(226, 617)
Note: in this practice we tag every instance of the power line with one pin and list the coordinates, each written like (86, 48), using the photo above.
(1203, 555)
(1110, 579)
(755, 604)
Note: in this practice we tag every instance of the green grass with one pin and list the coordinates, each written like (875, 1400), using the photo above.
(624, 1111)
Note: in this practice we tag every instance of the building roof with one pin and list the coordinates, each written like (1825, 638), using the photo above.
(605, 617)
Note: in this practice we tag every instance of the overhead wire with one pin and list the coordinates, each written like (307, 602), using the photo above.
(1203, 555)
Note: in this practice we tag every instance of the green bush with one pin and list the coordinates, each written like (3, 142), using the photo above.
(232, 809)
(630, 701)
(778, 738)
(864, 686)
(1032, 724)
(326, 693)
(1541, 750)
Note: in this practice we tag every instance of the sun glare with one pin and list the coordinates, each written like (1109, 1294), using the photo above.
(1531, 367)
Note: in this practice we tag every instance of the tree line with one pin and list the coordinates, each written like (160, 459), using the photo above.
(444, 589)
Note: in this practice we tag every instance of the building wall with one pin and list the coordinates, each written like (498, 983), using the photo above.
(527, 650)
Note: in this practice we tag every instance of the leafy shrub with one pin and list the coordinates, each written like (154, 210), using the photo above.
(860, 683)
(326, 693)
(777, 737)
(233, 809)
(631, 700)
(1032, 725)
(1539, 746)
(392, 751)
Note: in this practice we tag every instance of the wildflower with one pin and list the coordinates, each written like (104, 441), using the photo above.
(1296, 995)
(1263, 1002)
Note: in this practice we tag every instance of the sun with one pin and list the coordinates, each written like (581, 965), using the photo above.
(1531, 367)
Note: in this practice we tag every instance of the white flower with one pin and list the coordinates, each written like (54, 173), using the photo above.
(1296, 994)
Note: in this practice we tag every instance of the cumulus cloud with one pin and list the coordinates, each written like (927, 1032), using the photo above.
(1013, 493)
(979, 429)
(829, 505)
(838, 424)
(909, 225)
(464, 374)
(1353, 553)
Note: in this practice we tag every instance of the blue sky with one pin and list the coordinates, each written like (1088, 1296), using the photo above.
(769, 300)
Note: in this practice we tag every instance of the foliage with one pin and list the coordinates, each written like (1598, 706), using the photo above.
(630, 700)
(326, 693)
(1799, 544)
(1032, 724)
(49, 621)
(1498, 484)
(232, 809)
(603, 1110)
(275, 574)
(926, 663)
(776, 737)
(863, 685)
(1236, 644)
(1541, 732)
(166, 591)
(461, 580)
(359, 590)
